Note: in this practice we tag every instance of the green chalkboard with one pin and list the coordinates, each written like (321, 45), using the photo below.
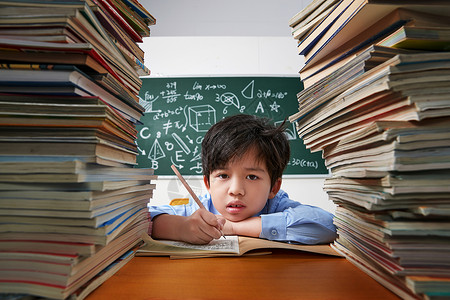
(179, 111)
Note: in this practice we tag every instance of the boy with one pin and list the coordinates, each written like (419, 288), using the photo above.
(243, 158)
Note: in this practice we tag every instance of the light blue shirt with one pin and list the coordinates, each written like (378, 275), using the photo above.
(282, 219)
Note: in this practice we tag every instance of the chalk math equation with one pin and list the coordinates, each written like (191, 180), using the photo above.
(179, 111)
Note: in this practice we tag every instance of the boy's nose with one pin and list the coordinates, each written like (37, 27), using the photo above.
(236, 187)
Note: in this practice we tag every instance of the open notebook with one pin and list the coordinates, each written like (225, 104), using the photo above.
(229, 246)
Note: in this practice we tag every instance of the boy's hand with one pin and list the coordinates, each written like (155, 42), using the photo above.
(227, 226)
(201, 227)
(247, 227)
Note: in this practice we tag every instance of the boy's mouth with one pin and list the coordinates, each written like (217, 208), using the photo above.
(235, 208)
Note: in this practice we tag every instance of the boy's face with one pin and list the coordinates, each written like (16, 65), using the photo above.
(241, 189)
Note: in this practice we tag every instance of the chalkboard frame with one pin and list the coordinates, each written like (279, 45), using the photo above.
(227, 99)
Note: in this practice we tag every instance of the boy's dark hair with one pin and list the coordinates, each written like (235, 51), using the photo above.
(233, 136)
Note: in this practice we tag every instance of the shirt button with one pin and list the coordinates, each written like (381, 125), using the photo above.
(274, 232)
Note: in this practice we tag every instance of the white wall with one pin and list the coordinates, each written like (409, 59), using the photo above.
(249, 53)
(222, 18)
(199, 55)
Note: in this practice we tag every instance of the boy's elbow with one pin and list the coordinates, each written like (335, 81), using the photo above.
(327, 232)
(313, 234)
(325, 237)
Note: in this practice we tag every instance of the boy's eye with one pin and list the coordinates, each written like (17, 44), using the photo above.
(222, 176)
(252, 177)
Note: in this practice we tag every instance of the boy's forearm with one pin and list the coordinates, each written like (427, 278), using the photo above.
(199, 228)
(167, 226)
(248, 227)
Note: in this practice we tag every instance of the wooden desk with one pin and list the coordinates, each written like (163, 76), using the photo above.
(282, 275)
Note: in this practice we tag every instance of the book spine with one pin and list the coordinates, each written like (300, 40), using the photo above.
(136, 37)
(141, 68)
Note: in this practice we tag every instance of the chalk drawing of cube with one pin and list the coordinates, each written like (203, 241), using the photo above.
(202, 117)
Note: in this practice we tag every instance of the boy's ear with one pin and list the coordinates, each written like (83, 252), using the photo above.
(276, 187)
(205, 180)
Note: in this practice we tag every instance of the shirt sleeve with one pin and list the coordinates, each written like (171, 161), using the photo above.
(286, 220)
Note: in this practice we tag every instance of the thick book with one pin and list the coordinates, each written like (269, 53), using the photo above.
(103, 275)
(339, 25)
(403, 65)
(52, 282)
(82, 55)
(419, 38)
(225, 246)
(64, 76)
(17, 111)
(88, 151)
(348, 39)
(84, 25)
(310, 16)
(336, 53)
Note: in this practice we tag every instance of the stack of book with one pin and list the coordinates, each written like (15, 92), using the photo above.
(376, 105)
(73, 205)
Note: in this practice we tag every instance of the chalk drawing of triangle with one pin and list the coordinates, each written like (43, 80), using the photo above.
(247, 92)
(156, 152)
(197, 157)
